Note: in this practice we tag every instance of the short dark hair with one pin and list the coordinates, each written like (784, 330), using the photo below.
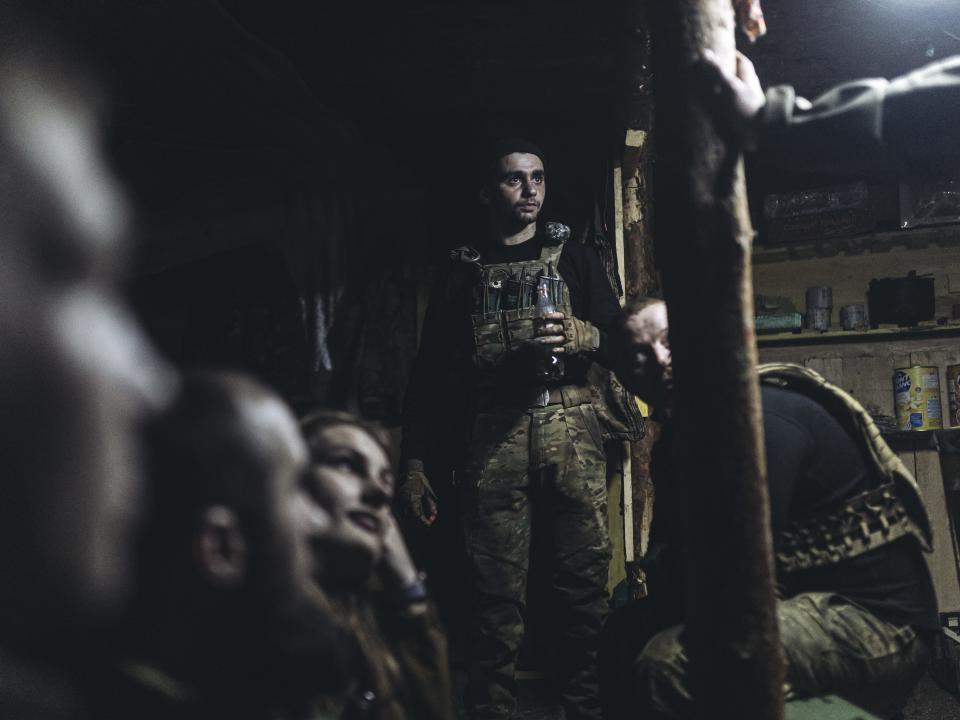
(202, 452)
(641, 302)
(503, 146)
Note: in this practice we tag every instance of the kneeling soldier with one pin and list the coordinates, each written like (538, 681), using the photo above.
(856, 600)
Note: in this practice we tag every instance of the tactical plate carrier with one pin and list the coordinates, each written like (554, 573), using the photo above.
(890, 510)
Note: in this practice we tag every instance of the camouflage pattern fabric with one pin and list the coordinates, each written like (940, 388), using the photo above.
(551, 457)
(832, 646)
(503, 323)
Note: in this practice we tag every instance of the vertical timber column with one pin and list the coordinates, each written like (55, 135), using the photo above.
(639, 268)
(703, 239)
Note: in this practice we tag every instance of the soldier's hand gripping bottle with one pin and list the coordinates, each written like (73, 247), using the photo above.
(550, 365)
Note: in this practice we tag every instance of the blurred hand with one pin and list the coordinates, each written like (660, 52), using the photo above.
(736, 101)
(415, 496)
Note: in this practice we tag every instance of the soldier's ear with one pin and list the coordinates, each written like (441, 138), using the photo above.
(220, 547)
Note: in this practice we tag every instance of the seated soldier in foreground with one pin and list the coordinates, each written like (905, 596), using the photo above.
(77, 380)
(856, 606)
(371, 579)
(227, 622)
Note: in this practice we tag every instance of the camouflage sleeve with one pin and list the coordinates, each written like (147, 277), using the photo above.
(868, 127)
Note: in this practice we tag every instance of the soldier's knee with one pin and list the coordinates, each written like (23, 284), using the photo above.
(660, 676)
(664, 648)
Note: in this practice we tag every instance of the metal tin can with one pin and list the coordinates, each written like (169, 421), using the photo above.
(818, 319)
(819, 297)
(916, 394)
(953, 394)
(853, 316)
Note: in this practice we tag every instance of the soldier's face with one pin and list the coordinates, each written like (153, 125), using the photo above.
(285, 616)
(520, 189)
(295, 523)
(352, 481)
(647, 365)
(77, 376)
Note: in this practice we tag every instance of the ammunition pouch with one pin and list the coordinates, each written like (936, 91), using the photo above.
(489, 340)
(863, 523)
(498, 335)
(615, 407)
(521, 329)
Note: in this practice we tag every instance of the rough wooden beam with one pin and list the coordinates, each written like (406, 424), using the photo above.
(639, 277)
(703, 246)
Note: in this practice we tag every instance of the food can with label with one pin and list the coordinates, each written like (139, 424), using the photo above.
(953, 394)
(916, 397)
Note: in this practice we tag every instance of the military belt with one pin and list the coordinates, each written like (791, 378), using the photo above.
(533, 397)
(863, 523)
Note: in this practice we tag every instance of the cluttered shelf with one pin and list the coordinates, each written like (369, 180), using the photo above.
(920, 238)
(879, 334)
(920, 436)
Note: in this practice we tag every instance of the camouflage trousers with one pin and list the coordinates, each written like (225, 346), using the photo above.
(552, 458)
(832, 647)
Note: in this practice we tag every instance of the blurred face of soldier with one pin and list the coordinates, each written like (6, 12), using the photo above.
(646, 365)
(352, 480)
(249, 587)
(281, 571)
(518, 192)
(77, 377)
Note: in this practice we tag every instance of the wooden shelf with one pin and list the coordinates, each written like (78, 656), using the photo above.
(837, 337)
(912, 239)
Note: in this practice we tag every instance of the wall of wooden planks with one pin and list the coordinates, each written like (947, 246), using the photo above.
(848, 267)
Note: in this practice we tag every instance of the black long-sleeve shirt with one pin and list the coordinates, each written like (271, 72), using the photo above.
(869, 127)
(442, 384)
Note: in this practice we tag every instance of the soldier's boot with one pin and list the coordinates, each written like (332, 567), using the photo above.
(580, 622)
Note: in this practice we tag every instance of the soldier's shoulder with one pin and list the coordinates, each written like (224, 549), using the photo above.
(556, 233)
(466, 254)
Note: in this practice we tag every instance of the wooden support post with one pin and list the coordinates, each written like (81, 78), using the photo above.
(629, 549)
(703, 248)
(639, 277)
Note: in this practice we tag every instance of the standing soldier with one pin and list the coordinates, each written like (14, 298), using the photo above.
(531, 437)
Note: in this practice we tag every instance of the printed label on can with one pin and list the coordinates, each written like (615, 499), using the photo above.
(917, 398)
(901, 382)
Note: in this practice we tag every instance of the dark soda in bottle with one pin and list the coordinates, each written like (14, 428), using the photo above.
(550, 365)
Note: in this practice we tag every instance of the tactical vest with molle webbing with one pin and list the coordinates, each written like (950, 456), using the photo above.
(888, 511)
(504, 299)
(503, 328)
